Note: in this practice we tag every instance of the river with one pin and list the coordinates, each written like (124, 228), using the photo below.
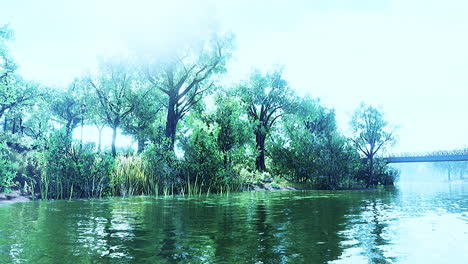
(410, 223)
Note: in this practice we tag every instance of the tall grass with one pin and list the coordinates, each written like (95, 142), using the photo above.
(136, 175)
(130, 177)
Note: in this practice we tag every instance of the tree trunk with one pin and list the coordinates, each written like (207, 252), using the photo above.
(171, 121)
(371, 171)
(100, 138)
(81, 136)
(225, 160)
(13, 128)
(114, 136)
(69, 128)
(141, 144)
(260, 142)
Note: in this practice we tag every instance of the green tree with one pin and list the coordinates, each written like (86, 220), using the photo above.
(310, 149)
(266, 98)
(7, 65)
(233, 129)
(68, 108)
(141, 120)
(184, 79)
(371, 134)
(203, 159)
(38, 124)
(14, 91)
(114, 88)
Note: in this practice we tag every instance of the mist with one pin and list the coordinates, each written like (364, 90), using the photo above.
(435, 172)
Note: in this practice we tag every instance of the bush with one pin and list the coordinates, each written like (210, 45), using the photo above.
(30, 171)
(385, 174)
(322, 162)
(73, 170)
(7, 168)
(161, 167)
(203, 159)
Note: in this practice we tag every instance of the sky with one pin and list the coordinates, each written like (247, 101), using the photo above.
(409, 58)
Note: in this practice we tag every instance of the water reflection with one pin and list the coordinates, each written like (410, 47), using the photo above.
(394, 226)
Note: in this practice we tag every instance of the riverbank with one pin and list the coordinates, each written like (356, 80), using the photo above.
(271, 187)
(19, 197)
(15, 196)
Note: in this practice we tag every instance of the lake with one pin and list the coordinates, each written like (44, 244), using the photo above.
(410, 223)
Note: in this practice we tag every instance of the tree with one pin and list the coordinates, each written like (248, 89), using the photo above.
(68, 108)
(14, 91)
(203, 159)
(95, 116)
(266, 98)
(311, 150)
(453, 168)
(233, 130)
(7, 65)
(185, 79)
(114, 88)
(38, 124)
(140, 121)
(371, 134)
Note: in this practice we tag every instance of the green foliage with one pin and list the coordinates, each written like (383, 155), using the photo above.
(312, 151)
(30, 171)
(216, 145)
(233, 129)
(72, 170)
(203, 158)
(266, 98)
(185, 77)
(370, 130)
(15, 92)
(114, 87)
(221, 150)
(130, 177)
(7, 168)
(388, 175)
(371, 134)
(68, 108)
(142, 121)
(7, 65)
(161, 165)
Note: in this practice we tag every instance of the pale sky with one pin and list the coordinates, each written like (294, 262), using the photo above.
(408, 57)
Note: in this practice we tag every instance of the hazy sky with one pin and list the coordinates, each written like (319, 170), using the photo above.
(409, 57)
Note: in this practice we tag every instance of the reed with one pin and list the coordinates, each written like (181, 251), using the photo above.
(131, 178)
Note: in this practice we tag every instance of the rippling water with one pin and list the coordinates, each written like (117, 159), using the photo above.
(407, 224)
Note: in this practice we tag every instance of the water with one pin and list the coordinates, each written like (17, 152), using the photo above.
(408, 224)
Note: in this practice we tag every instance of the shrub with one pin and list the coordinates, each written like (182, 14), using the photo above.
(74, 170)
(7, 168)
(161, 167)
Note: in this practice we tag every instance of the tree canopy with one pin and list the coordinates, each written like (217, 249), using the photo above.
(266, 98)
(371, 134)
(194, 133)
